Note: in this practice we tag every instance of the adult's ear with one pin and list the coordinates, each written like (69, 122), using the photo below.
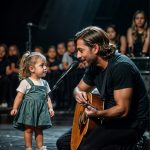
(96, 49)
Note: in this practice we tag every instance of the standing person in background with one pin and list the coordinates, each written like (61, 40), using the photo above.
(4, 72)
(138, 35)
(71, 80)
(69, 55)
(52, 59)
(61, 49)
(32, 106)
(116, 39)
(14, 58)
(53, 74)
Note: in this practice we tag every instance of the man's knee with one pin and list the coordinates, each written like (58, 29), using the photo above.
(63, 143)
(58, 144)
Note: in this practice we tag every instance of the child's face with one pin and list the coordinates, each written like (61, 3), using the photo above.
(40, 68)
(51, 53)
(111, 33)
(2, 52)
(61, 49)
(12, 51)
(71, 47)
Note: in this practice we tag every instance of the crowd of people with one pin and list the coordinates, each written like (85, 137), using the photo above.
(59, 57)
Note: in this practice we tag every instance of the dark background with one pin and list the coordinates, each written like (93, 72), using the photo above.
(59, 20)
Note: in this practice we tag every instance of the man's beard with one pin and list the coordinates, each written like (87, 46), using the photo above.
(92, 61)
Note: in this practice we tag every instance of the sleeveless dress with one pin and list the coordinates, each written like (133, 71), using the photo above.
(138, 45)
(33, 110)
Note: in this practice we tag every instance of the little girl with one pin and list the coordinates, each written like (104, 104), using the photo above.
(32, 107)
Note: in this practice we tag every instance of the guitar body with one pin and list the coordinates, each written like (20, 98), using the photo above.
(82, 124)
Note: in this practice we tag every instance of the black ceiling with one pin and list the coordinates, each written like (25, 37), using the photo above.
(59, 20)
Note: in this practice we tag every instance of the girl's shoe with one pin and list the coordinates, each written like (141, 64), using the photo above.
(42, 148)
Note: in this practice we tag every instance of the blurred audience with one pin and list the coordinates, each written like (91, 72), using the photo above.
(53, 74)
(138, 35)
(59, 59)
(13, 58)
(117, 39)
(61, 49)
(4, 71)
(69, 55)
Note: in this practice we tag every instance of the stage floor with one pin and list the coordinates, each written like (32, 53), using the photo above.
(12, 139)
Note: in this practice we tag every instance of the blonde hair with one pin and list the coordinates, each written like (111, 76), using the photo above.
(134, 28)
(27, 60)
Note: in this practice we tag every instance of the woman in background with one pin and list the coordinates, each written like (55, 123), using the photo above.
(138, 35)
(117, 39)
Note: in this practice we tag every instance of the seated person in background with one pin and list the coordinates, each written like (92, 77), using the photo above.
(138, 35)
(4, 71)
(53, 73)
(69, 55)
(71, 80)
(116, 39)
(52, 59)
(14, 58)
(61, 49)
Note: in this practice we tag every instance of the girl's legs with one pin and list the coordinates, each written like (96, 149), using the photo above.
(39, 137)
(28, 136)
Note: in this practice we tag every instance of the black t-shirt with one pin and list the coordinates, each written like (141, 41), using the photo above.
(54, 63)
(138, 45)
(14, 59)
(121, 73)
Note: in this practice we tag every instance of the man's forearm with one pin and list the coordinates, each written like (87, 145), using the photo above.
(114, 112)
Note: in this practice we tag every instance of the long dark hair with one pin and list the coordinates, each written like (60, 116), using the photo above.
(94, 35)
(116, 30)
(134, 28)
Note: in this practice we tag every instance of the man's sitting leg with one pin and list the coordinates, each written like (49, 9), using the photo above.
(63, 142)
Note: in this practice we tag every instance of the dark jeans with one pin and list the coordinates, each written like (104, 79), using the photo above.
(103, 139)
(63, 143)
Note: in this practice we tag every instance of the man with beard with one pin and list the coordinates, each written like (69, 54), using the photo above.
(119, 82)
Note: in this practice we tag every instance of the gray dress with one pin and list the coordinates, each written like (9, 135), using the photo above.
(33, 110)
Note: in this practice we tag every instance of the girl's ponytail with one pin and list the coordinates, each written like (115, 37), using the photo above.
(23, 65)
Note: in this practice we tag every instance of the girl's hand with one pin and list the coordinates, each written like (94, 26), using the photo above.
(51, 111)
(13, 112)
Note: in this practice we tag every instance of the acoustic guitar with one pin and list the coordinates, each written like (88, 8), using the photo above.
(81, 123)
